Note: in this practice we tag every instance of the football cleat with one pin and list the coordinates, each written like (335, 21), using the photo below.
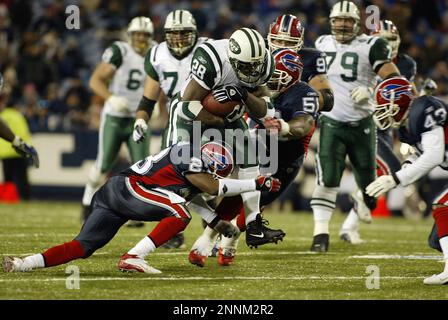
(258, 234)
(360, 207)
(321, 242)
(437, 279)
(176, 242)
(350, 236)
(226, 256)
(133, 263)
(196, 258)
(14, 264)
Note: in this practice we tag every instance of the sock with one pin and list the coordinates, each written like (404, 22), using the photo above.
(444, 244)
(34, 262)
(166, 229)
(441, 217)
(251, 200)
(143, 248)
(230, 243)
(92, 185)
(351, 222)
(204, 244)
(322, 217)
(241, 221)
(230, 207)
(63, 253)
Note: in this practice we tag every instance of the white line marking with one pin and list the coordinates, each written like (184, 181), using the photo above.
(397, 256)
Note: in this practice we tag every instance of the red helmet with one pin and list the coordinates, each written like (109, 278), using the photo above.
(389, 31)
(217, 158)
(288, 70)
(286, 28)
(392, 100)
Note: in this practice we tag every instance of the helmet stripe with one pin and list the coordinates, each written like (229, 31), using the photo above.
(252, 46)
(286, 23)
(257, 40)
(342, 4)
(180, 18)
(348, 6)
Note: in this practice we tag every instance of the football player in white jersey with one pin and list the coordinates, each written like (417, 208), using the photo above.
(119, 80)
(353, 61)
(167, 66)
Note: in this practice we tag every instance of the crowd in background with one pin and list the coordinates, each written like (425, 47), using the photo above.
(47, 66)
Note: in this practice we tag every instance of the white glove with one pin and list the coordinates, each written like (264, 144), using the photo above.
(381, 185)
(140, 129)
(361, 94)
(119, 104)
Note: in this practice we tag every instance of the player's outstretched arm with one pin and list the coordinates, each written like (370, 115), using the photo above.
(295, 129)
(321, 84)
(232, 187)
(5, 132)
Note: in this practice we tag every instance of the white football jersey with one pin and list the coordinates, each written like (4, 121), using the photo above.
(349, 66)
(170, 72)
(129, 77)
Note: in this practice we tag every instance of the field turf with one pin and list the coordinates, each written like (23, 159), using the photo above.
(396, 248)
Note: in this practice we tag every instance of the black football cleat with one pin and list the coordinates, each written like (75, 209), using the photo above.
(258, 233)
(176, 242)
(321, 242)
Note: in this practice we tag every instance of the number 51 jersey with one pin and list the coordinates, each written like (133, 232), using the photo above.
(350, 65)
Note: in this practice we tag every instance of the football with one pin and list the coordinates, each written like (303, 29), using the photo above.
(217, 108)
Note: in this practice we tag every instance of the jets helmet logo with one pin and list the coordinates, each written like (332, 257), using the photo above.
(234, 46)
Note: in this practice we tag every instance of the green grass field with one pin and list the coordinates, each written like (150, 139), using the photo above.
(284, 271)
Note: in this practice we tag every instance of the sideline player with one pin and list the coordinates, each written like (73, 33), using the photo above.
(119, 79)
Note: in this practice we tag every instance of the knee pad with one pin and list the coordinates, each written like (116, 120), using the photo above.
(324, 196)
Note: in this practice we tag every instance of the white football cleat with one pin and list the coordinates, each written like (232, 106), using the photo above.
(437, 279)
(360, 207)
(133, 263)
(14, 264)
(350, 236)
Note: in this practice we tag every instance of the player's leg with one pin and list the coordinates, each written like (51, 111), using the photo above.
(362, 154)
(440, 214)
(110, 139)
(99, 228)
(150, 205)
(330, 164)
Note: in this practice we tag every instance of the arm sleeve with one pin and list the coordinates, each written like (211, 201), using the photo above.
(380, 53)
(433, 145)
(113, 55)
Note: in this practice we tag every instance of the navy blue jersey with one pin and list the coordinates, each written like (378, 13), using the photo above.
(298, 99)
(313, 63)
(406, 65)
(167, 170)
(426, 113)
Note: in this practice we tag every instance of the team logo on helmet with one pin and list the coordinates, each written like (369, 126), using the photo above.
(217, 158)
(234, 46)
(396, 89)
(291, 62)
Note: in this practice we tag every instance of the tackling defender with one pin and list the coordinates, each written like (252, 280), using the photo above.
(123, 67)
(425, 129)
(353, 62)
(153, 189)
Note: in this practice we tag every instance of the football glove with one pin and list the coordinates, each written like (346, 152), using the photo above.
(226, 228)
(276, 126)
(269, 184)
(26, 151)
(361, 94)
(140, 129)
(381, 185)
(119, 104)
(230, 93)
(237, 113)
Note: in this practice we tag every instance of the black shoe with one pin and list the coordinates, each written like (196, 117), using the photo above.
(321, 242)
(85, 213)
(135, 224)
(176, 242)
(258, 234)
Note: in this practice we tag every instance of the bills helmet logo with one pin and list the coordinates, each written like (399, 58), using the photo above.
(217, 158)
(395, 90)
(288, 70)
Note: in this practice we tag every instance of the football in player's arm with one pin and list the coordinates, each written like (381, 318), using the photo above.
(424, 129)
(153, 189)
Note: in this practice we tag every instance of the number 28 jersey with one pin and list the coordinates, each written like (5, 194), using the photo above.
(350, 65)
